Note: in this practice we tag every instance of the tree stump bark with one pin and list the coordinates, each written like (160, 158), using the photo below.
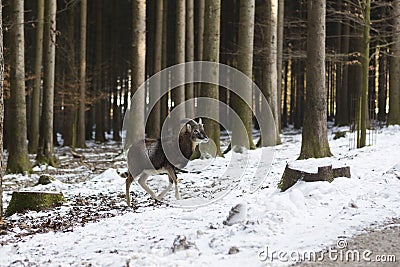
(325, 173)
(22, 201)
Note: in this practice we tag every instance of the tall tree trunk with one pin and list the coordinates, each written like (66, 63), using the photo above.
(212, 15)
(293, 90)
(363, 100)
(116, 125)
(285, 95)
(99, 85)
(138, 66)
(164, 63)
(154, 118)
(270, 75)
(89, 123)
(339, 112)
(382, 91)
(331, 90)
(150, 44)
(394, 82)
(199, 38)
(6, 121)
(69, 125)
(315, 130)
(343, 104)
(280, 38)
(80, 138)
(35, 104)
(18, 151)
(1, 109)
(115, 72)
(245, 65)
(299, 102)
(189, 54)
(372, 97)
(179, 91)
(355, 72)
(46, 145)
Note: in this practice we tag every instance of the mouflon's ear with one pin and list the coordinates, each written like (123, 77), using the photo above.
(192, 122)
(200, 121)
(188, 127)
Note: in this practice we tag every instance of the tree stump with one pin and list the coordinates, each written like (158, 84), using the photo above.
(324, 173)
(45, 179)
(22, 201)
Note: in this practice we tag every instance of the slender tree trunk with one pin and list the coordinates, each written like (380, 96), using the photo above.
(257, 104)
(285, 95)
(179, 92)
(80, 138)
(270, 75)
(199, 26)
(343, 104)
(115, 72)
(46, 145)
(154, 118)
(69, 125)
(164, 63)
(363, 100)
(293, 91)
(116, 117)
(382, 91)
(339, 114)
(138, 65)
(394, 82)
(89, 123)
(355, 73)
(35, 104)
(57, 118)
(6, 116)
(99, 85)
(1, 110)
(189, 54)
(315, 130)
(212, 15)
(372, 97)
(150, 44)
(18, 151)
(331, 70)
(245, 65)
(299, 102)
(280, 38)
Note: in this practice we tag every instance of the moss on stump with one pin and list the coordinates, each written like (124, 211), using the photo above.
(22, 201)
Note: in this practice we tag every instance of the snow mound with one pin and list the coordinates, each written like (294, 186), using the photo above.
(311, 165)
(107, 176)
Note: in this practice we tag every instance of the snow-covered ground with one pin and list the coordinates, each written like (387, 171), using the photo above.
(307, 217)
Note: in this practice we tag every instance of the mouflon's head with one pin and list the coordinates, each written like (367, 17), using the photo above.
(196, 129)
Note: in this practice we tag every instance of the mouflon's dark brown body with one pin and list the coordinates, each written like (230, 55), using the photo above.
(149, 157)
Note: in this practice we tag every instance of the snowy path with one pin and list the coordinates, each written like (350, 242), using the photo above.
(383, 242)
(307, 217)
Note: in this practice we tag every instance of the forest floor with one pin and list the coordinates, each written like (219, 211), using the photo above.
(96, 227)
